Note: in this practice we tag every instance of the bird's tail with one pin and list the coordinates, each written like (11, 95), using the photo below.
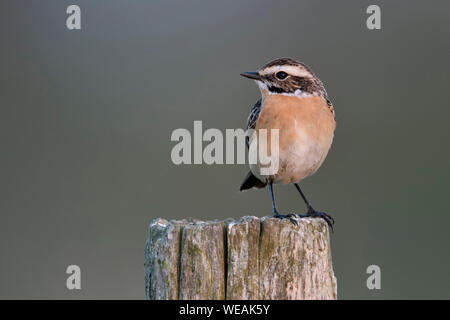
(251, 181)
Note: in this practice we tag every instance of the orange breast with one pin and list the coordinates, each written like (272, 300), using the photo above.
(306, 128)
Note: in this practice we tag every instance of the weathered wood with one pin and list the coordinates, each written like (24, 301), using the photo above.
(162, 253)
(295, 261)
(243, 259)
(202, 267)
(248, 258)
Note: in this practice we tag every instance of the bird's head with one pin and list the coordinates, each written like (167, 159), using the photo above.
(286, 76)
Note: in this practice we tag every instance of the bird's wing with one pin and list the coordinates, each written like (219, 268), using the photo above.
(252, 118)
(250, 180)
(331, 107)
(254, 114)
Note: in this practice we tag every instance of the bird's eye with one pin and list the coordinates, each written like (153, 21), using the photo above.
(281, 75)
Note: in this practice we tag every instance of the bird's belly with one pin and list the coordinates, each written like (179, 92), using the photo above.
(306, 132)
(300, 159)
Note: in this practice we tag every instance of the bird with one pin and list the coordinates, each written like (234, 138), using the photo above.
(294, 101)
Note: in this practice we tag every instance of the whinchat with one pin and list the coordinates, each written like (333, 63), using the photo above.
(294, 101)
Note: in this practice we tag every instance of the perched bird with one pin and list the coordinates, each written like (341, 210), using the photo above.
(294, 101)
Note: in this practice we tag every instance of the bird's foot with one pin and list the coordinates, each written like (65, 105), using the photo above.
(318, 214)
(292, 217)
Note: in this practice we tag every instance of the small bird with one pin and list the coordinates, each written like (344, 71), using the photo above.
(294, 101)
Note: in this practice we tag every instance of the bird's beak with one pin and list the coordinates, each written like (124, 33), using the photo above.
(251, 75)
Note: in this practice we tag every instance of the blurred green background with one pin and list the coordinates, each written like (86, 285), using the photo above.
(86, 118)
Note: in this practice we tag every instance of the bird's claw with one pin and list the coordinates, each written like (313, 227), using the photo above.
(310, 214)
(318, 214)
(292, 217)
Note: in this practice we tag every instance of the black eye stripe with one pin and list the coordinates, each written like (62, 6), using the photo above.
(276, 89)
(281, 75)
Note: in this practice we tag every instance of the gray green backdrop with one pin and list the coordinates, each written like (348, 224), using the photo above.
(86, 118)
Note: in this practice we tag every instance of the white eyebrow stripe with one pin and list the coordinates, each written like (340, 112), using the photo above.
(292, 70)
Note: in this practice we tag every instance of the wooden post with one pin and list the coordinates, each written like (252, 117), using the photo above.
(248, 258)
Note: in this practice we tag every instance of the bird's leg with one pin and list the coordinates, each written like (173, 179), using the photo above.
(291, 217)
(312, 212)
